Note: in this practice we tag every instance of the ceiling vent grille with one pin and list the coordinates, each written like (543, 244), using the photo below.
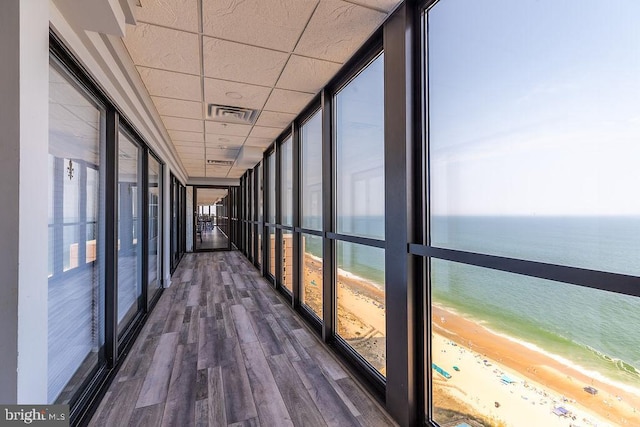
(219, 162)
(230, 114)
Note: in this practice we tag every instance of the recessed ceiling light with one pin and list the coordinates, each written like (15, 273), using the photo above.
(222, 147)
(223, 139)
(233, 95)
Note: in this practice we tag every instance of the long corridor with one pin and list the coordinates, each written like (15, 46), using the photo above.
(221, 348)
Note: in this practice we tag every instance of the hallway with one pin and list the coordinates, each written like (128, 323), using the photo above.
(221, 348)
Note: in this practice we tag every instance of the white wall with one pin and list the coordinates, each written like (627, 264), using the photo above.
(24, 111)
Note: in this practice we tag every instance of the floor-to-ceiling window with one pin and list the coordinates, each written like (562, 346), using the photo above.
(76, 236)
(286, 212)
(311, 213)
(271, 214)
(129, 273)
(533, 226)
(259, 212)
(359, 214)
(154, 201)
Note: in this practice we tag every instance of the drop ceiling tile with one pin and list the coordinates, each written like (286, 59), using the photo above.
(384, 5)
(178, 144)
(192, 156)
(287, 101)
(235, 94)
(186, 136)
(194, 149)
(227, 129)
(217, 171)
(163, 48)
(180, 14)
(337, 29)
(276, 120)
(306, 74)
(187, 125)
(275, 24)
(218, 140)
(242, 63)
(178, 108)
(171, 85)
(258, 142)
(262, 132)
(218, 154)
(195, 172)
(193, 164)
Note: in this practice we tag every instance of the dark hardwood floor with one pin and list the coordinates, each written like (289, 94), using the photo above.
(222, 349)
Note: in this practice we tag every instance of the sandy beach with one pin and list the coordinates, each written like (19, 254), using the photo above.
(541, 383)
(361, 312)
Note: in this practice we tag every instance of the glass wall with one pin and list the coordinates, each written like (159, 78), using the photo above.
(76, 236)
(311, 212)
(359, 143)
(286, 182)
(129, 230)
(154, 254)
(271, 216)
(533, 129)
(259, 211)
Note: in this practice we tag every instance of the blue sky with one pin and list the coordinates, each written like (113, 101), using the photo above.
(534, 107)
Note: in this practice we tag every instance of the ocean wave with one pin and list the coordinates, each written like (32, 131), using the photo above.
(618, 363)
(596, 375)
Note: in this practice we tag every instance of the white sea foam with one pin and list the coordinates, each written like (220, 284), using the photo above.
(563, 360)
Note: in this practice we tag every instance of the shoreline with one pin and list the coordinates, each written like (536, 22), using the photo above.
(611, 406)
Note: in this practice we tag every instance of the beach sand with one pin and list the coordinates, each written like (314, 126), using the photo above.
(361, 311)
(542, 383)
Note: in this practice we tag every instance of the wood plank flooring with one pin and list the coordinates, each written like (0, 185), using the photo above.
(222, 349)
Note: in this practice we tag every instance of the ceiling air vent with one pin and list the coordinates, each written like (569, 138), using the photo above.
(219, 162)
(229, 114)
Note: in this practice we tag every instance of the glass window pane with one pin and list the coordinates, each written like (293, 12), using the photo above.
(311, 188)
(155, 227)
(360, 154)
(360, 305)
(531, 345)
(311, 293)
(272, 251)
(533, 130)
(260, 189)
(286, 186)
(287, 260)
(271, 184)
(129, 231)
(76, 283)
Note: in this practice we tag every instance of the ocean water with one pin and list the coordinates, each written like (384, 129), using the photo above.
(596, 330)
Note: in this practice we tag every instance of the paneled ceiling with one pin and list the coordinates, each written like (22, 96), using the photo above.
(272, 56)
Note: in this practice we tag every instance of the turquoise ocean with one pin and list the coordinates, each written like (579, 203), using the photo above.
(596, 331)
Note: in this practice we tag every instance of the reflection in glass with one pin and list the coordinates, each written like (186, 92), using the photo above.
(311, 173)
(76, 255)
(129, 231)
(271, 185)
(360, 301)
(360, 154)
(272, 251)
(533, 120)
(516, 339)
(286, 187)
(311, 292)
(155, 227)
(287, 260)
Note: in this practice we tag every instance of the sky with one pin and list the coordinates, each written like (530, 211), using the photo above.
(534, 107)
